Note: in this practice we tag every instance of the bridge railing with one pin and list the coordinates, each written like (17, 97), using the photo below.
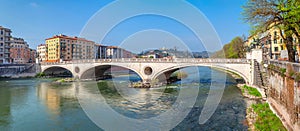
(147, 60)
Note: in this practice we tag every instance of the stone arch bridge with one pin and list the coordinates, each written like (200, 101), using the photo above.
(150, 69)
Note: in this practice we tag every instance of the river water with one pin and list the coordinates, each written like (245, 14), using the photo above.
(40, 104)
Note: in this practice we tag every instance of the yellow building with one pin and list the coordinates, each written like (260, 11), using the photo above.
(60, 48)
(271, 42)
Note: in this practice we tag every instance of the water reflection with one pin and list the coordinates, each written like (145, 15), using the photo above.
(34, 104)
(55, 95)
(5, 111)
(50, 98)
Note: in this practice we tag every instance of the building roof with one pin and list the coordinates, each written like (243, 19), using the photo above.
(7, 29)
(41, 45)
(83, 39)
(62, 37)
(15, 38)
(112, 47)
(100, 45)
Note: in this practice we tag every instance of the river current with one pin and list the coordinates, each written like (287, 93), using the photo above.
(40, 104)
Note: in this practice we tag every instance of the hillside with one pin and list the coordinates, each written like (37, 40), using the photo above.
(234, 49)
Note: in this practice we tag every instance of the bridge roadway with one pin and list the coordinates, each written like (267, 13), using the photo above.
(149, 69)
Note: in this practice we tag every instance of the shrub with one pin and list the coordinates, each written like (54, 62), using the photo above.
(297, 76)
(39, 75)
(282, 71)
(291, 73)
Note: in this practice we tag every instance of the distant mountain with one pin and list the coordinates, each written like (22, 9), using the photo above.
(178, 54)
(203, 54)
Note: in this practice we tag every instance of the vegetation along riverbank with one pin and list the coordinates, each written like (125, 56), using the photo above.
(259, 115)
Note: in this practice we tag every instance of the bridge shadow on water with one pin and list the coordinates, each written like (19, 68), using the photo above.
(57, 72)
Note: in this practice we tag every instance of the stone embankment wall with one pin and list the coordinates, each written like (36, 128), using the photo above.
(18, 70)
(283, 92)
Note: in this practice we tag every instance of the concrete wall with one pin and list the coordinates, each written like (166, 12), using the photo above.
(255, 54)
(283, 94)
(15, 70)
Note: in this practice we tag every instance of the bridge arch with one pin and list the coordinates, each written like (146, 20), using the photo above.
(166, 73)
(98, 71)
(58, 71)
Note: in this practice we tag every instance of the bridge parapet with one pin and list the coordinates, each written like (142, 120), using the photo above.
(283, 64)
(149, 60)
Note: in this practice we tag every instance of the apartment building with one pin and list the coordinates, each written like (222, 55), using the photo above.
(272, 43)
(87, 48)
(59, 48)
(5, 35)
(32, 57)
(114, 52)
(19, 51)
(100, 51)
(42, 53)
(64, 48)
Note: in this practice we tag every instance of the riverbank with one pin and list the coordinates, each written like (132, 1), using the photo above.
(17, 76)
(236, 76)
(259, 115)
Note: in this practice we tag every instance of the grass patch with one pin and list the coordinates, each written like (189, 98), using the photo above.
(266, 120)
(252, 91)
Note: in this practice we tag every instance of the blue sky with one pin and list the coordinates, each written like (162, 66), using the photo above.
(36, 20)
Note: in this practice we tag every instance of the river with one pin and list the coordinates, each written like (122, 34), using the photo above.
(40, 104)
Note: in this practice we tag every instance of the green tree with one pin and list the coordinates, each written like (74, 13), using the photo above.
(283, 14)
(234, 49)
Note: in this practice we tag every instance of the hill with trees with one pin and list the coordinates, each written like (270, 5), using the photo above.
(234, 49)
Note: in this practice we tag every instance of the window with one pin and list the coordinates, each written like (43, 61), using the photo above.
(281, 47)
(275, 41)
(1, 44)
(281, 41)
(275, 33)
(275, 48)
(1, 32)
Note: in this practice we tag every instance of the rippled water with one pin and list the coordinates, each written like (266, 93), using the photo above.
(38, 104)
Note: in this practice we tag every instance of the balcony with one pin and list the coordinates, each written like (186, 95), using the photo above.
(7, 34)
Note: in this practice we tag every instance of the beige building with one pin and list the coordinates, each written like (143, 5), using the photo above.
(42, 52)
(87, 48)
(5, 35)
